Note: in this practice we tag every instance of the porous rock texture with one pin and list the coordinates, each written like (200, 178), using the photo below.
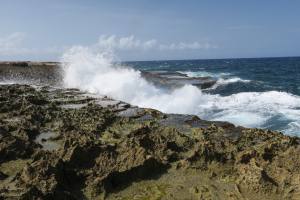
(65, 144)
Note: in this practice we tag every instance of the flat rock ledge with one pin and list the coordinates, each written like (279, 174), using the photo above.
(176, 79)
(65, 144)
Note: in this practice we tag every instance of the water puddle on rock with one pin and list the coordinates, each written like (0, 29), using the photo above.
(74, 106)
(13, 119)
(45, 139)
(107, 102)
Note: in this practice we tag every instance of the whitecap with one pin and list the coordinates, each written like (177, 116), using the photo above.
(222, 82)
(94, 71)
(203, 73)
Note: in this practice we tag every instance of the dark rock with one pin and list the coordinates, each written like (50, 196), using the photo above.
(3, 176)
(108, 149)
(176, 79)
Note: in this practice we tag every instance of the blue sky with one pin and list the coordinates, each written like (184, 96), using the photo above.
(150, 29)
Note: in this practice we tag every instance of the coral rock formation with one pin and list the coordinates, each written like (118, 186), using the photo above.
(63, 144)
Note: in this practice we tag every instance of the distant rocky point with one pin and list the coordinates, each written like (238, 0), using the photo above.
(27, 63)
(31, 72)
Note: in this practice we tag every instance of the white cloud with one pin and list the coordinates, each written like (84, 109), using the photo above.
(132, 43)
(185, 46)
(124, 43)
(12, 44)
(12, 40)
(243, 27)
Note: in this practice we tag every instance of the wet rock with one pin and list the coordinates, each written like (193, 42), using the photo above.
(176, 79)
(3, 176)
(63, 144)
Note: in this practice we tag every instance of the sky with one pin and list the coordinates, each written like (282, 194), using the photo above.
(43, 30)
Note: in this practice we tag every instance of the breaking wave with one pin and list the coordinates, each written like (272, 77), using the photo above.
(222, 81)
(222, 78)
(95, 71)
(204, 73)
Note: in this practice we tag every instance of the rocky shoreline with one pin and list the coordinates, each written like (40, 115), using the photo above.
(64, 144)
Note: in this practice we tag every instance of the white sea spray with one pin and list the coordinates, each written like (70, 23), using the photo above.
(95, 71)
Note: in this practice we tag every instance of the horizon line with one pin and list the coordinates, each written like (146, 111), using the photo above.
(225, 58)
(160, 60)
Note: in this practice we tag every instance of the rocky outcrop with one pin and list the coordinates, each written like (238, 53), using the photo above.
(31, 72)
(63, 144)
(176, 79)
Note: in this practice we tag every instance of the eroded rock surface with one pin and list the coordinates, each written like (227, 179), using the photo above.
(64, 144)
(176, 79)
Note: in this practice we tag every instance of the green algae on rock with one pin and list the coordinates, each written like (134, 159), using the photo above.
(64, 144)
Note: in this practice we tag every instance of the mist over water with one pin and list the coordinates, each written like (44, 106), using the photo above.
(95, 71)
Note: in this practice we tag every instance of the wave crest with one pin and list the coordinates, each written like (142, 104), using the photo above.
(95, 71)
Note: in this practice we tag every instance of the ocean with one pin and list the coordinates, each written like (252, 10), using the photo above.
(263, 74)
(254, 93)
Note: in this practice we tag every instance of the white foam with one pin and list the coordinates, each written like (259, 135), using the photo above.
(233, 80)
(203, 73)
(6, 82)
(94, 71)
(292, 128)
(222, 81)
(220, 77)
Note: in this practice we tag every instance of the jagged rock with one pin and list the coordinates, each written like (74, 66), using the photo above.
(3, 176)
(105, 150)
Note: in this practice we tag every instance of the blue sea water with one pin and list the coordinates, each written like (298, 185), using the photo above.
(265, 74)
(256, 92)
